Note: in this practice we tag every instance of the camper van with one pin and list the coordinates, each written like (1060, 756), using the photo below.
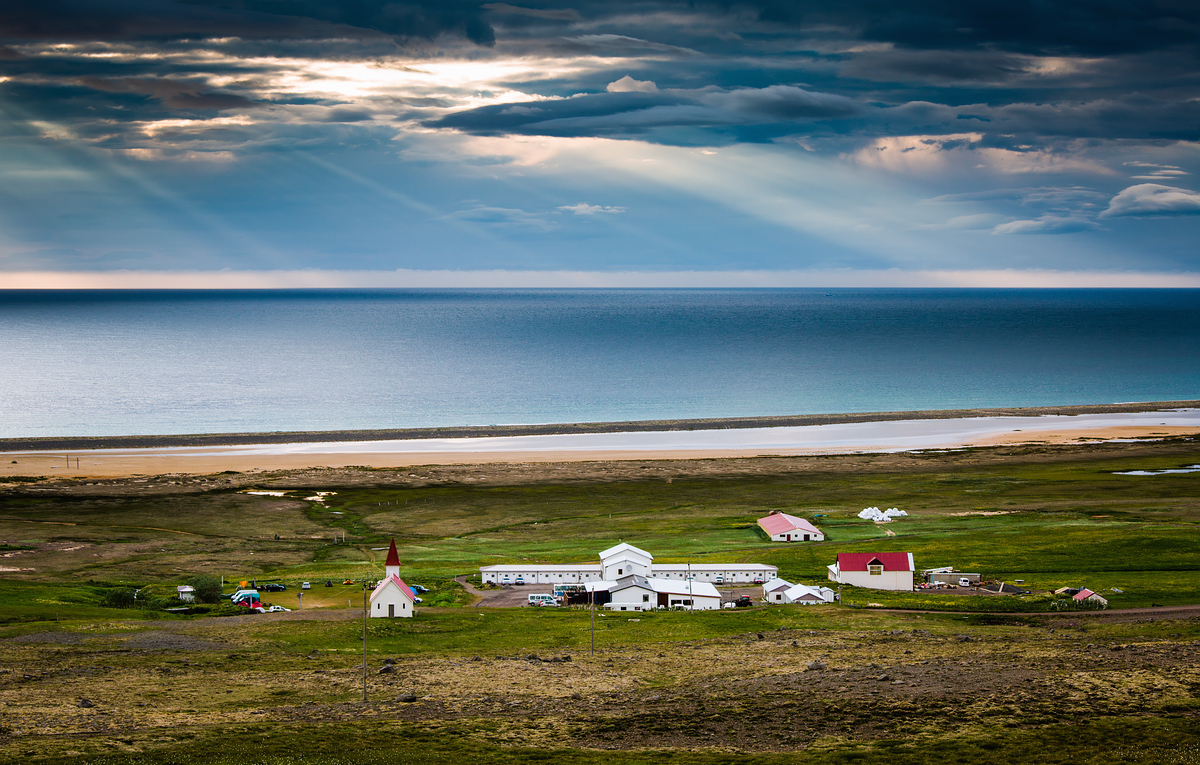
(543, 600)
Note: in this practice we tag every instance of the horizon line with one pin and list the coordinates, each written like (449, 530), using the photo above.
(549, 279)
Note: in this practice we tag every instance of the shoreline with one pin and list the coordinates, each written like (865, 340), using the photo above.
(877, 437)
(200, 440)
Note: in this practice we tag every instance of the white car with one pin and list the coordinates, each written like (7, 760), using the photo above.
(306, 586)
(277, 609)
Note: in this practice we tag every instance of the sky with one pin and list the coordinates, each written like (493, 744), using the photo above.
(643, 143)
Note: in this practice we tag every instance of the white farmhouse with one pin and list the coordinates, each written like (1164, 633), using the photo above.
(186, 593)
(876, 571)
(781, 527)
(626, 560)
(392, 597)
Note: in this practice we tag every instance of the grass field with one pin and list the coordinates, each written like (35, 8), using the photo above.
(998, 686)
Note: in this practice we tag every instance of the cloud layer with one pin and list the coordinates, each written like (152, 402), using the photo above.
(710, 135)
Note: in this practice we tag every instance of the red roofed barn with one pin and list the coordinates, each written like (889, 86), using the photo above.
(781, 527)
(876, 571)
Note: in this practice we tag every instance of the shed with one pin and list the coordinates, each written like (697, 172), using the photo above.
(774, 589)
(187, 593)
(804, 595)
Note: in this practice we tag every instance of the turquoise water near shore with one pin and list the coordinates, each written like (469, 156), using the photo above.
(156, 362)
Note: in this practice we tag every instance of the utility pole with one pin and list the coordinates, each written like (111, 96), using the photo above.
(592, 600)
(691, 599)
(364, 642)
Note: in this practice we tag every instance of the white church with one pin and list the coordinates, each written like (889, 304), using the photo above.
(392, 597)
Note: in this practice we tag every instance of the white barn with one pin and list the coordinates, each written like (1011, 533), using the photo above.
(876, 571)
(626, 560)
(781, 527)
(638, 593)
(392, 598)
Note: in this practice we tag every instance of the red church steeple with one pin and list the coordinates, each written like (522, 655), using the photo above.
(392, 564)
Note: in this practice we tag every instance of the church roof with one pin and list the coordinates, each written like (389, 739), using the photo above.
(393, 558)
(396, 581)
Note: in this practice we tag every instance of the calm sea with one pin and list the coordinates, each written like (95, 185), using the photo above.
(151, 362)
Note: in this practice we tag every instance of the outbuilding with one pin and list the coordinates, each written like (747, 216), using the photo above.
(186, 593)
(876, 571)
(1087, 595)
(774, 589)
(804, 595)
(781, 527)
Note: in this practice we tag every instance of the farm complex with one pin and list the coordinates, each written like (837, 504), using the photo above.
(626, 560)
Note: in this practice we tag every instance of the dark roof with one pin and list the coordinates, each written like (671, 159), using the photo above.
(393, 558)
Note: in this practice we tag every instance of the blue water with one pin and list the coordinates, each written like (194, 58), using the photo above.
(150, 362)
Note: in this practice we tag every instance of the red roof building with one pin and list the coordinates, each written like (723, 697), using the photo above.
(876, 571)
(781, 527)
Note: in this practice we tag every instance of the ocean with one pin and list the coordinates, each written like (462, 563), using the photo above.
(161, 362)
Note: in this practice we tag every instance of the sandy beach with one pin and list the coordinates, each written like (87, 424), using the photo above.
(878, 436)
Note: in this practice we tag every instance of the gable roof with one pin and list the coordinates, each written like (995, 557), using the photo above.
(798, 591)
(393, 581)
(677, 587)
(782, 523)
(1083, 594)
(624, 547)
(632, 580)
(771, 585)
(891, 561)
(393, 558)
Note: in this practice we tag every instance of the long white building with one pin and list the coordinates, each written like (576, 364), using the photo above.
(626, 560)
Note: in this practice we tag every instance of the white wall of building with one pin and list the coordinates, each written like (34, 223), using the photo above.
(887, 580)
(390, 602)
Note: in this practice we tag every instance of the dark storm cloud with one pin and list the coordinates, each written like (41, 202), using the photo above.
(125, 20)
(635, 112)
(1060, 27)
(173, 93)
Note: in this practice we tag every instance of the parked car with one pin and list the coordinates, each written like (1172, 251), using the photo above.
(306, 586)
(272, 587)
(418, 588)
(277, 609)
(418, 600)
(964, 582)
(519, 580)
(758, 580)
(542, 600)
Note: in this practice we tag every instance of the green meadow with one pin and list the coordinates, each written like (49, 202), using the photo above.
(1048, 522)
(898, 677)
